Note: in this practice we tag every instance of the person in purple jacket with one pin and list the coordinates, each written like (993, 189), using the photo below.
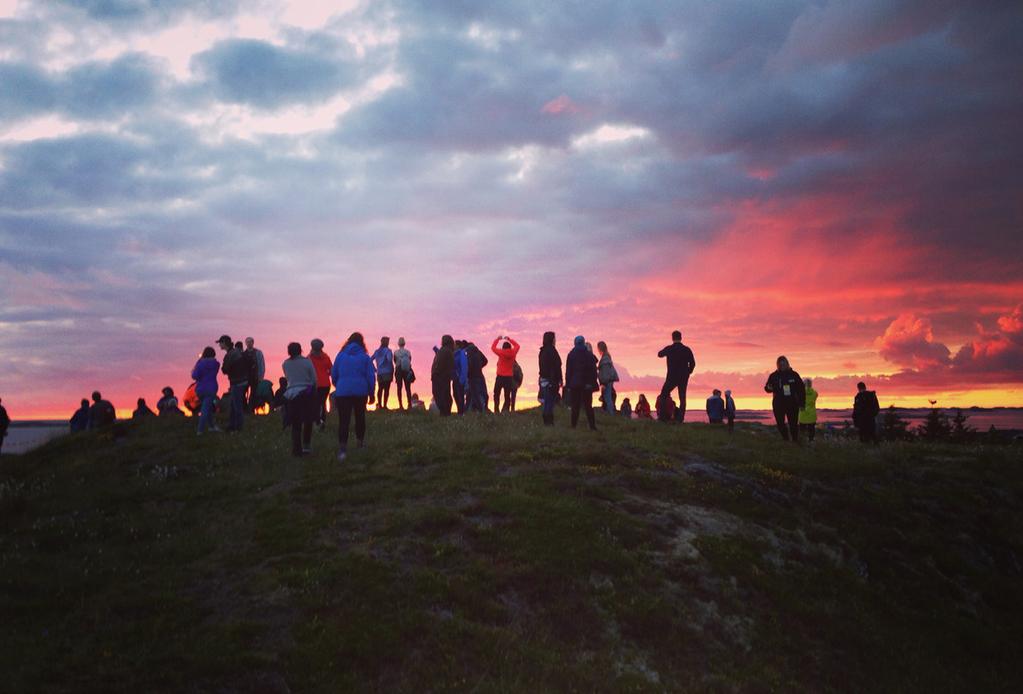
(205, 376)
(354, 377)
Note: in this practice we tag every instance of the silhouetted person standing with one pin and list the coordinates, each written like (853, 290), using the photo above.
(730, 411)
(788, 393)
(865, 411)
(716, 408)
(236, 368)
(607, 374)
(353, 375)
(300, 399)
(403, 372)
(681, 364)
(505, 381)
(581, 379)
(383, 360)
(477, 381)
(440, 374)
(550, 377)
(808, 412)
(323, 365)
(460, 376)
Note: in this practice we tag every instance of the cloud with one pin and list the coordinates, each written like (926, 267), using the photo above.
(908, 341)
(267, 76)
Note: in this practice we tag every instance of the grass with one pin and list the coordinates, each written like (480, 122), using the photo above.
(493, 554)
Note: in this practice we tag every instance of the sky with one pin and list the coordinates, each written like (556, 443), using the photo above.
(838, 182)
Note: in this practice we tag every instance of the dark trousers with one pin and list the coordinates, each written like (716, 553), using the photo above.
(809, 429)
(787, 411)
(442, 396)
(477, 393)
(383, 390)
(549, 395)
(582, 398)
(731, 423)
(505, 384)
(321, 404)
(681, 383)
(868, 430)
(301, 413)
(401, 381)
(459, 396)
(346, 406)
(237, 417)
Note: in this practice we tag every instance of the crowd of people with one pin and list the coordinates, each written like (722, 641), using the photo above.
(458, 384)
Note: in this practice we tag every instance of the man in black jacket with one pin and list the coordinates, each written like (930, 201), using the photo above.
(236, 368)
(581, 379)
(788, 396)
(440, 374)
(865, 411)
(681, 364)
(102, 414)
(477, 381)
(550, 377)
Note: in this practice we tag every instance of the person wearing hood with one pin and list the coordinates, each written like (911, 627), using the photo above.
(788, 393)
(550, 377)
(383, 359)
(322, 363)
(626, 410)
(477, 381)
(204, 373)
(300, 398)
(865, 411)
(167, 406)
(730, 411)
(716, 408)
(440, 375)
(808, 412)
(505, 381)
(581, 378)
(142, 411)
(80, 419)
(607, 375)
(681, 364)
(460, 376)
(354, 377)
(403, 376)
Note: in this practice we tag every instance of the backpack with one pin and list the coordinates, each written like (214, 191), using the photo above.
(191, 399)
(517, 374)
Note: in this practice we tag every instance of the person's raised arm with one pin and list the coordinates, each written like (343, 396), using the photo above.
(663, 353)
(494, 348)
(514, 346)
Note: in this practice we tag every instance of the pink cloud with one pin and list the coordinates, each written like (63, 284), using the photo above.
(562, 105)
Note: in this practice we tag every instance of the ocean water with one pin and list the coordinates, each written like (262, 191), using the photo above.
(980, 419)
(24, 436)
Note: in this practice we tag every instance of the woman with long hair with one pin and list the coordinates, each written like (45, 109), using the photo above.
(354, 377)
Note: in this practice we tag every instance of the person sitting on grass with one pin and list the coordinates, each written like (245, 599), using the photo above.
(102, 413)
(416, 404)
(80, 419)
(141, 411)
(626, 409)
(643, 408)
(168, 404)
(353, 376)
(665, 408)
(716, 408)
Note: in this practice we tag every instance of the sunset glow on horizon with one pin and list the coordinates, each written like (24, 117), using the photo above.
(836, 182)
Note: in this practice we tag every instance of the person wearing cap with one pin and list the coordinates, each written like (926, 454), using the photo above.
(322, 363)
(235, 367)
(403, 376)
(383, 360)
(581, 379)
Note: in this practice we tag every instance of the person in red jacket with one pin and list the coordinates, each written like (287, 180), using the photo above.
(505, 381)
(322, 364)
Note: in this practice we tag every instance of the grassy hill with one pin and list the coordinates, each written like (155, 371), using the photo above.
(492, 554)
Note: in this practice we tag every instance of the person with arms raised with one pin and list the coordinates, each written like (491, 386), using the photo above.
(204, 373)
(383, 359)
(354, 377)
(788, 395)
(505, 381)
(681, 365)
(581, 379)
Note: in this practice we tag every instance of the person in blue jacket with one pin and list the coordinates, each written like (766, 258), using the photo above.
(460, 377)
(716, 408)
(205, 376)
(383, 359)
(581, 380)
(353, 376)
